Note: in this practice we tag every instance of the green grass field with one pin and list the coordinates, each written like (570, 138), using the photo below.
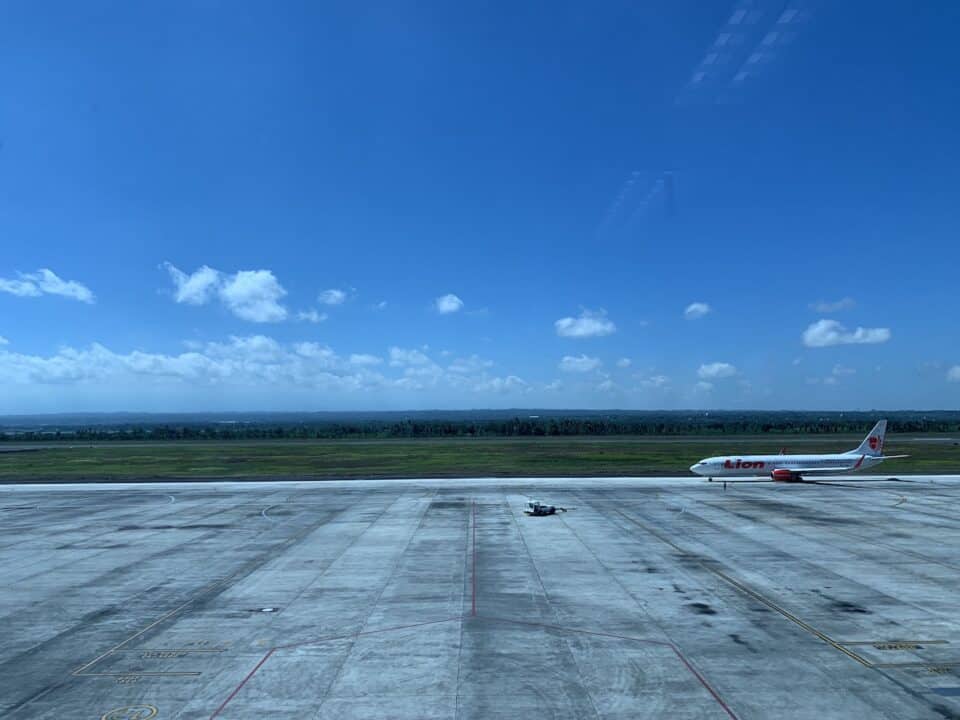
(552, 457)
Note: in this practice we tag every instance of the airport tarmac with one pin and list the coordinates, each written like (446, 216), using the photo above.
(649, 598)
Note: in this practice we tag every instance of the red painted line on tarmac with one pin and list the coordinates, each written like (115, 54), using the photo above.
(317, 641)
(363, 633)
(473, 610)
(243, 682)
(703, 681)
(663, 643)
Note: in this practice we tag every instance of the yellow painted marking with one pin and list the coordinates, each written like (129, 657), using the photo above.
(132, 712)
(185, 673)
(177, 651)
(160, 654)
(750, 592)
(165, 616)
(893, 642)
(945, 665)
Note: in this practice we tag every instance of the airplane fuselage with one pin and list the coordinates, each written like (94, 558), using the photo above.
(765, 465)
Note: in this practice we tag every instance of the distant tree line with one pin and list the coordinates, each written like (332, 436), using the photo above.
(592, 424)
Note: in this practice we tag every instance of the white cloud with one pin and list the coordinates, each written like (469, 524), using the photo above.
(400, 357)
(254, 295)
(716, 371)
(382, 305)
(840, 371)
(953, 374)
(472, 364)
(311, 316)
(196, 288)
(20, 288)
(589, 324)
(703, 386)
(825, 333)
(607, 385)
(500, 385)
(555, 386)
(364, 359)
(655, 382)
(332, 297)
(251, 362)
(824, 306)
(624, 363)
(253, 368)
(449, 303)
(696, 310)
(4, 341)
(579, 363)
(46, 282)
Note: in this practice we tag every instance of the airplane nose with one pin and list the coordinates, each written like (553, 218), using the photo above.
(695, 468)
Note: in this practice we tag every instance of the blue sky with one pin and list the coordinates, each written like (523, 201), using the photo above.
(632, 205)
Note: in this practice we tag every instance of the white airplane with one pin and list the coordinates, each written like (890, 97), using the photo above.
(792, 468)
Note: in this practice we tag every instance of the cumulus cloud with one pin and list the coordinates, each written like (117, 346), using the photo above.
(824, 333)
(654, 382)
(364, 359)
(252, 295)
(824, 306)
(716, 371)
(696, 310)
(579, 363)
(45, 282)
(588, 324)
(399, 357)
(311, 316)
(240, 362)
(624, 363)
(703, 386)
(500, 385)
(253, 362)
(953, 374)
(841, 370)
(447, 304)
(332, 296)
(472, 364)
(196, 288)
(4, 341)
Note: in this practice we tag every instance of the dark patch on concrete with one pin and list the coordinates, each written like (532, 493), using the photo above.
(849, 607)
(197, 526)
(701, 608)
(447, 505)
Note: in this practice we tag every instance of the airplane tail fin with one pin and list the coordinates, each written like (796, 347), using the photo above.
(872, 445)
